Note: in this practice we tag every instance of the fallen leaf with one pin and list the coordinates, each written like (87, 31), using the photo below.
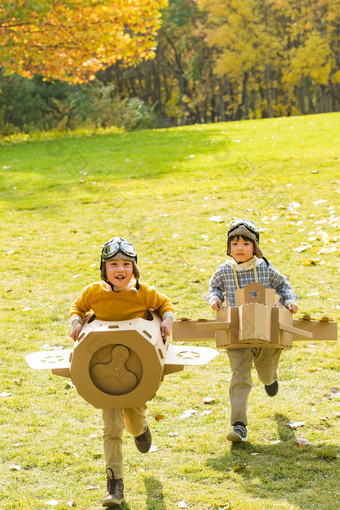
(208, 400)
(8, 290)
(334, 393)
(159, 417)
(327, 249)
(205, 413)
(303, 442)
(313, 262)
(92, 488)
(187, 414)
(302, 247)
(173, 434)
(153, 448)
(217, 219)
(52, 502)
(15, 467)
(295, 424)
(239, 467)
(318, 202)
(5, 394)
(182, 504)
(313, 369)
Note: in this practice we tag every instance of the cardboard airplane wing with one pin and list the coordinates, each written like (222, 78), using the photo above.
(120, 364)
(255, 321)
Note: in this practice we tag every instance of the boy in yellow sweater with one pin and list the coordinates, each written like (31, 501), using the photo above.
(118, 298)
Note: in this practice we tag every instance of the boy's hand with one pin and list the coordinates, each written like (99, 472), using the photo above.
(292, 307)
(166, 327)
(217, 305)
(75, 330)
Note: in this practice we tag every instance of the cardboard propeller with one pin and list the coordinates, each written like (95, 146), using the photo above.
(120, 364)
(255, 321)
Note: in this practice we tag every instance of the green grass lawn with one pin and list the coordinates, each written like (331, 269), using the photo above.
(61, 199)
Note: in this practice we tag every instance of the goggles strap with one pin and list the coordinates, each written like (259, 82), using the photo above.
(236, 277)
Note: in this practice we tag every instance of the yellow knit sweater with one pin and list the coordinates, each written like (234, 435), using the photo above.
(107, 305)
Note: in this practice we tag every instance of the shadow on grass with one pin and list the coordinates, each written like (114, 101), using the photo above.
(282, 470)
(46, 171)
(155, 496)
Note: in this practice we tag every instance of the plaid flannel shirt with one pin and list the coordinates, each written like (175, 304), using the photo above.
(223, 283)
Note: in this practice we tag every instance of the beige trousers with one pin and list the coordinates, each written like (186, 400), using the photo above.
(265, 361)
(114, 420)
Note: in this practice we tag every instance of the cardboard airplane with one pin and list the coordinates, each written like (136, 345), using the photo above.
(255, 321)
(120, 364)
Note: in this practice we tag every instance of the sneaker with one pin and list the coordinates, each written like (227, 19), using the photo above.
(143, 442)
(115, 490)
(238, 434)
(272, 389)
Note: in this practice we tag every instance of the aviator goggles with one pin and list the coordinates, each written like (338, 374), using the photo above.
(248, 224)
(116, 245)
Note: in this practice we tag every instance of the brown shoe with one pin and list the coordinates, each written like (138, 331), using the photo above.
(143, 442)
(115, 490)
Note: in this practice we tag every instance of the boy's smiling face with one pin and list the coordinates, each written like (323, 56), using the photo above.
(241, 249)
(119, 273)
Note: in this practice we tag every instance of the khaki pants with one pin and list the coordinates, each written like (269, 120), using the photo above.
(114, 420)
(265, 361)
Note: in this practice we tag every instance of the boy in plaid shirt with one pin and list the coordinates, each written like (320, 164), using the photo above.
(247, 265)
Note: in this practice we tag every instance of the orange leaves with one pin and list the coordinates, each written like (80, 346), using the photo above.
(73, 41)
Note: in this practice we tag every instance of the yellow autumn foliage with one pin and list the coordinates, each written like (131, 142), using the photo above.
(73, 40)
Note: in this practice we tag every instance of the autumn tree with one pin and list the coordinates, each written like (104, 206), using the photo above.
(179, 82)
(278, 54)
(72, 40)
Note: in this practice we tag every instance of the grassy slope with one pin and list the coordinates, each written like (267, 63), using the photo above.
(61, 200)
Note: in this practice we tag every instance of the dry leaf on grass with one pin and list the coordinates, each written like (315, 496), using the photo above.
(209, 400)
(187, 414)
(313, 262)
(303, 441)
(302, 247)
(15, 467)
(334, 392)
(295, 424)
(239, 467)
(203, 413)
(182, 504)
(159, 417)
(313, 369)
